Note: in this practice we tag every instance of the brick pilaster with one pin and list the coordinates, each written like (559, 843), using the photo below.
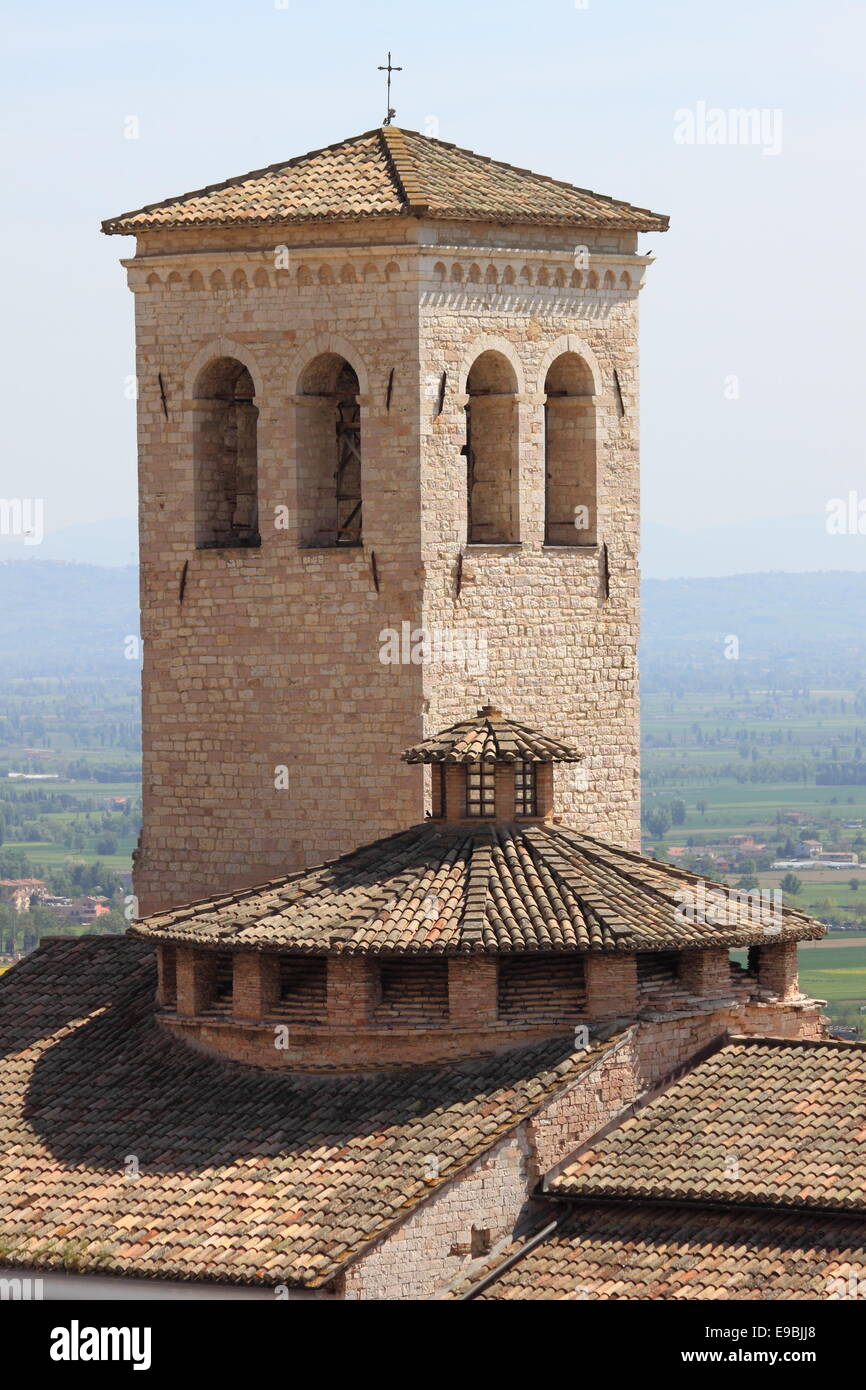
(247, 993)
(504, 790)
(196, 977)
(352, 989)
(611, 986)
(705, 972)
(777, 968)
(472, 991)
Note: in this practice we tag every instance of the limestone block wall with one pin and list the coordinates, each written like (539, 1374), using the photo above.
(559, 654)
(271, 726)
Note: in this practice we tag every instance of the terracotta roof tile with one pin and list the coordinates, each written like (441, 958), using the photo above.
(449, 889)
(245, 1175)
(762, 1121)
(490, 738)
(623, 1251)
(389, 172)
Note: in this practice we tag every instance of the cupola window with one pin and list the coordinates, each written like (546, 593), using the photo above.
(480, 790)
(525, 789)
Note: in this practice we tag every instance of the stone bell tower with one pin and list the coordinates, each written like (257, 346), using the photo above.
(388, 460)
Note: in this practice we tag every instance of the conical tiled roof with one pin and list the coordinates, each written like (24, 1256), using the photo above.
(448, 889)
(389, 172)
(490, 738)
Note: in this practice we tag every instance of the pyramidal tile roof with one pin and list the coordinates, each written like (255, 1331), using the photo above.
(389, 172)
(490, 738)
(454, 889)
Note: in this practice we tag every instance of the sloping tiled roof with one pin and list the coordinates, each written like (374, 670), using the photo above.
(620, 1251)
(762, 1121)
(490, 738)
(245, 1175)
(389, 172)
(744, 1179)
(445, 889)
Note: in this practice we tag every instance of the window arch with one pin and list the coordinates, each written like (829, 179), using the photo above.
(329, 453)
(225, 454)
(570, 453)
(491, 451)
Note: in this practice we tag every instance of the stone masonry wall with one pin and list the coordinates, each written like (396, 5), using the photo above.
(270, 660)
(558, 656)
(271, 727)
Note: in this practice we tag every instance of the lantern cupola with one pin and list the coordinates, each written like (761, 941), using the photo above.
(491, 768)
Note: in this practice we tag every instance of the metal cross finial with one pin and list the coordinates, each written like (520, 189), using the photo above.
(389, 69)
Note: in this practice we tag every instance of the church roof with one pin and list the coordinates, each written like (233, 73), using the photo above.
(746, 1178)
(619, 1250)
(762, 1121)
(457, 889)
(490, 738)
(245, 1175)
(389, 172)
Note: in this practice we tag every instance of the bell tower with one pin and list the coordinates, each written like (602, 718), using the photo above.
(388, 467)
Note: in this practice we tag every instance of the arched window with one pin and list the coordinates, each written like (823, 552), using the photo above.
(570, 453)
(329, 453)
(225, 453)
(491, 451)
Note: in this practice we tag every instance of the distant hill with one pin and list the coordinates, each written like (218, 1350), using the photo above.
(59, 620)
(792, 629)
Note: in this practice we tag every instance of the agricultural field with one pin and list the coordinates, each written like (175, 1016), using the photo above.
(735, 780)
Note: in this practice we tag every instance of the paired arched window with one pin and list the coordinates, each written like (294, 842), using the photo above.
(570, 453)
(329, 453)
(225, 456)
(491, 451)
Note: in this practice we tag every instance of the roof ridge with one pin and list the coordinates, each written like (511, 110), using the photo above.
(404, 169)
(588, 897)
(775, 1040)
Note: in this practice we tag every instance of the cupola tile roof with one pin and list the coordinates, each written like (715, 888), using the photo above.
(490, 738)
(453, 889)
(389, 172)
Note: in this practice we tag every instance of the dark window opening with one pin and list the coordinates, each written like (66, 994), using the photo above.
(570, 499)
(329, 454)
(538, 989)
(438, 791)
(413, 992)
(491, 452)
(221, 985)
(658, 975)
(226, 457)
(168, 986)
(302, 989)
(479, 1241)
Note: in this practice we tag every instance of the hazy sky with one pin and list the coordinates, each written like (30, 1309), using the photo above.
(760, 277)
